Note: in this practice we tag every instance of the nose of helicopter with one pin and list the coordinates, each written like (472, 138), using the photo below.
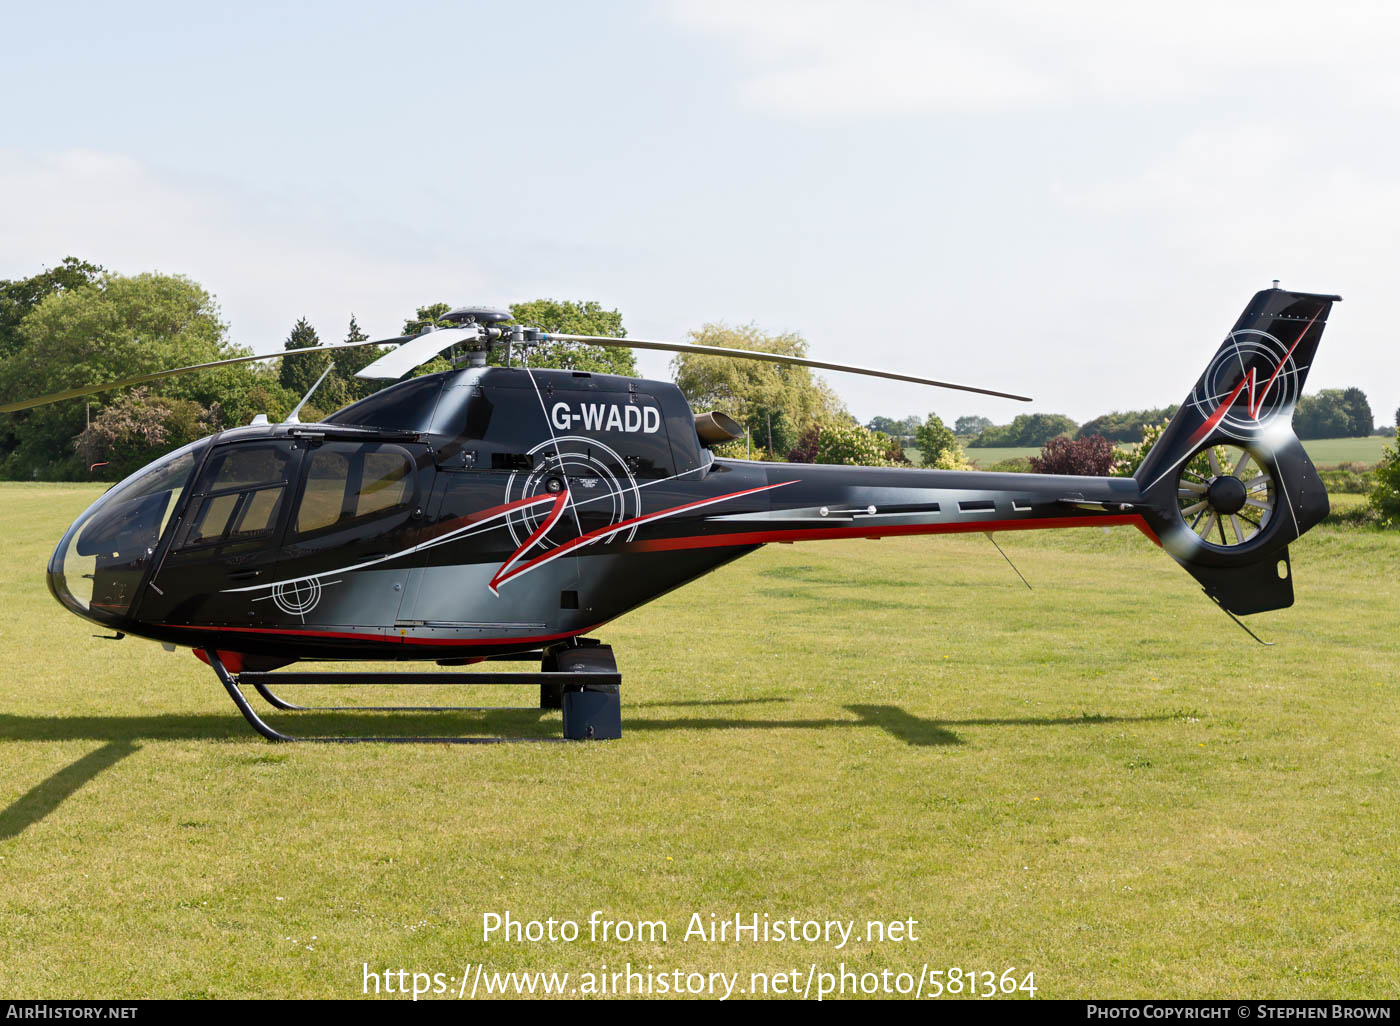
(99, 563)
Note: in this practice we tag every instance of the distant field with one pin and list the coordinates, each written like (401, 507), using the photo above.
(1330, 451)
(981, 458)
(984, 458)
(1324, 452)
(1102, 780)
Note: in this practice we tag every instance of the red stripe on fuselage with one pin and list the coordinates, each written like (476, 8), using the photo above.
(390, 638)
(607, 532)
(503, 573)
(710, 541)
(456, 523)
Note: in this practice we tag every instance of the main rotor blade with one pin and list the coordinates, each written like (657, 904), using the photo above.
(141, 379)
(415, 352)
(793, 361)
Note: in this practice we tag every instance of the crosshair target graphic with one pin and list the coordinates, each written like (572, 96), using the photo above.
(597, 478)
(297, 598)
(1253, 366)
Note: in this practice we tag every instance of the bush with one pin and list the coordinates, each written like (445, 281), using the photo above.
(1385, 495)
(951, 459)
(1015, 465)
(1084, 457)
(1127, 461)
(805, 451)
(852, 445)
(140, 427)
(1348, 479)
(738, 449)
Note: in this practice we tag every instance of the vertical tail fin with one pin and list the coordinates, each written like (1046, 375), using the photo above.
(1228, 481)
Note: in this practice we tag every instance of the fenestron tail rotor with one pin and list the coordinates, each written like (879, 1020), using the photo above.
(1226, 496)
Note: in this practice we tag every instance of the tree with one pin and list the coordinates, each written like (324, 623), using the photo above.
(19, 297)
(902, 430)
(297, 375)
(965, 427)
(1333, 413)
(1125, 427)
(1028, 429)
(933, 439)
(427, 316)
(565, 316)
(574, 317)
(771, 400)
(109, 328)
(1091, 456)
(350, 361)
(1362, 421)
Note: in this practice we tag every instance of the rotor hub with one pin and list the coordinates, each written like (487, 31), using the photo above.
(1227, 494)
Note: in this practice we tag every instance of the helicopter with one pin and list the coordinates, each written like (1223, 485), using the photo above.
(508, 512)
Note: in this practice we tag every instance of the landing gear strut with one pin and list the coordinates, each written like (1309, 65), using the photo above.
(580, 678)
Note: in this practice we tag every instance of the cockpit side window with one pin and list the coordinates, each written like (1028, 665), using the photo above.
(239, 496)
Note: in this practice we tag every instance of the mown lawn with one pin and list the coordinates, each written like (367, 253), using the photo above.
(1102, 780)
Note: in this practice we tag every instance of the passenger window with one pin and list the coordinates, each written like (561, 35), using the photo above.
(345, 482)
(327, 473)
(385, 482)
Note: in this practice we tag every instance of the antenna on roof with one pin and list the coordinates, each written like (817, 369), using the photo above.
(292, 417)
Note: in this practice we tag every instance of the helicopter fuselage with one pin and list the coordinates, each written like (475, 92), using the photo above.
(486, 511)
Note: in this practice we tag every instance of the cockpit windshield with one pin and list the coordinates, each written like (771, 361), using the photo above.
(100, 562)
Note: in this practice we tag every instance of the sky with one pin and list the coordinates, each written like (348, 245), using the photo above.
(1072, 201)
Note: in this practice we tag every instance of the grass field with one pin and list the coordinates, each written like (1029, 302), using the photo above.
(1325, 452)
(1102, 780)
(984, 458)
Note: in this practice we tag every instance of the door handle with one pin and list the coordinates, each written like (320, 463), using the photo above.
(244, 575)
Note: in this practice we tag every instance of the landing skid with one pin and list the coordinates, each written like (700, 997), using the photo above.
(581, 679)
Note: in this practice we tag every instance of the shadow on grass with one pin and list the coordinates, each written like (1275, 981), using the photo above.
(898, 723)
(367, 722)
(702, 702)
(121, 734)
(50, 793)
(374, 723)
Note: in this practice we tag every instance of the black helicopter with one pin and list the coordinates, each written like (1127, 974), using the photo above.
(507, 512)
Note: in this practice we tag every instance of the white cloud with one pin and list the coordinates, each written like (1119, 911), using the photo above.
(270, 258)
(891, 56)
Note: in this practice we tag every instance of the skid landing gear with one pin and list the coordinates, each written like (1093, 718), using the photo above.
(579, 678)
